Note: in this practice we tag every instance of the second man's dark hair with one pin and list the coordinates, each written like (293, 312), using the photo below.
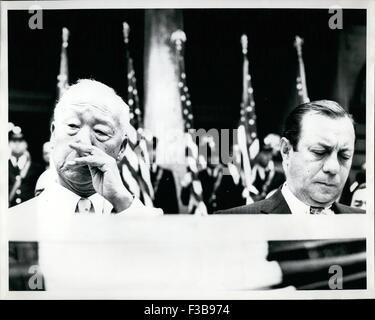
(292, 128)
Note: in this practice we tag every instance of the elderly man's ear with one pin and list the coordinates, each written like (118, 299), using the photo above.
(52, 130)
(285, 148)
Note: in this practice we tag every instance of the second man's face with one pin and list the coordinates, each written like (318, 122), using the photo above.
(319, 167)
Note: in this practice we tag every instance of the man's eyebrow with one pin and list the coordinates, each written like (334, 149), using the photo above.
(346, 149)
(321, 144)
(328, 147)
(105, 122)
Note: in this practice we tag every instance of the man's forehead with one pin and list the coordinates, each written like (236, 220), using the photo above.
(98, 111)
(313, 119)
(319, 127)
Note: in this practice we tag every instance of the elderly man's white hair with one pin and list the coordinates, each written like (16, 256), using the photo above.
(92, 92)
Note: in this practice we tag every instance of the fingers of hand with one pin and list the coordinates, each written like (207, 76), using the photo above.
(90, 161)
(83, 149)
(90, 156)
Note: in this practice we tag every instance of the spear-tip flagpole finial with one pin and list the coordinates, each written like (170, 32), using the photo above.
(178, 37)
(126, 31)
(65, 36)
(244, 43)
(298, 42)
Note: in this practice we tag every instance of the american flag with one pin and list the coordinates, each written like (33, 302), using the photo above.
(248, 142)
(247, 111)
(135, 164)
(179, 38)
(135, 170)
(132, 98)
(63, 77)
(196, 203)
(301, 77)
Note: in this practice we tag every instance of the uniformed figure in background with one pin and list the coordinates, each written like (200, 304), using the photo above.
(267, 172)
(23, 173)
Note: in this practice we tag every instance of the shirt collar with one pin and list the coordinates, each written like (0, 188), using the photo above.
(20, 162)
(101, 205)
(295, 205)
(58, 194)
(13, 160)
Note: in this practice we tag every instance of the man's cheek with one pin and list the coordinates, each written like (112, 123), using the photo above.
(344, 175)
(60, 154)
(110, 149)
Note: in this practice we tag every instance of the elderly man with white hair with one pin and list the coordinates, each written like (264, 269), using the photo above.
(88, 136)
(84, 195)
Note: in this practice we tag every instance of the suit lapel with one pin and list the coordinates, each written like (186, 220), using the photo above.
(275, 204)
(338, 208)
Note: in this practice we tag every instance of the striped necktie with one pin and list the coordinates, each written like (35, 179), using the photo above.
(85, 205)
(316, 210)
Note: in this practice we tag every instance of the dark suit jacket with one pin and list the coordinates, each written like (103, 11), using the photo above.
(166, 194)
(228, 194)
(276, 204)
(27, 188)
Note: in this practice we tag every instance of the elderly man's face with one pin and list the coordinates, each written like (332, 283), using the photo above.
(87, 124)
(319, 167)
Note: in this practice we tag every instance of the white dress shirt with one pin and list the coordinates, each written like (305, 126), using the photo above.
(296, 206)
(56, 197)
(65, 237)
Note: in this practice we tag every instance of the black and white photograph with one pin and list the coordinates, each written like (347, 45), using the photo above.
(197, 151)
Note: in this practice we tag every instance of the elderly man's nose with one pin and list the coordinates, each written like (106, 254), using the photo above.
(84, 136)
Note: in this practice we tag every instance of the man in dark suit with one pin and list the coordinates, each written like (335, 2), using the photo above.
(317, 148)
(165, 194)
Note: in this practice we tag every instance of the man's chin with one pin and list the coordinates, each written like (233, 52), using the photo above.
(78, 183)
(79, 177)
(324, 200)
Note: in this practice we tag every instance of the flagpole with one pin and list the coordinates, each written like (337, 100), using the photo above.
(301, 78)
(63, 77)
(132, 92)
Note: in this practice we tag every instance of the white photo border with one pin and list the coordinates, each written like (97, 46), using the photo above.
(368, 224)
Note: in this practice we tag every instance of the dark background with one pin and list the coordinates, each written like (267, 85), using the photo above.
(213, 61)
